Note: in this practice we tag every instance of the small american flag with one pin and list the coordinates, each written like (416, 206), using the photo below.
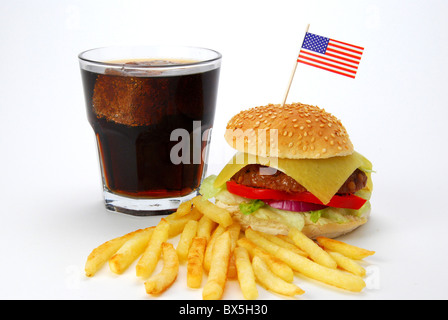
(331, 55)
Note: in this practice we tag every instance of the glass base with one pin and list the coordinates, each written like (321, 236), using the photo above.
(144, 207)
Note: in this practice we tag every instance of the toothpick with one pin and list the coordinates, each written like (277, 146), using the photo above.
(293, 71)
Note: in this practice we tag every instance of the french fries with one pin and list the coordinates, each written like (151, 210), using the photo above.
(177, 224)
(315, 252)
(208, 251)
(195, 261)
(186, 238)
(217, 275)
(277, 266)
(285, 242)
(162, 281)
(234, 232)
(213, 244)
(205, 227)
(100, 255)
(347, 264)
(271, 282)
(215, 213)
(148, 261)
(345, 249)
(307, 267)
(183, 209)
(246, 276)
(130, 251)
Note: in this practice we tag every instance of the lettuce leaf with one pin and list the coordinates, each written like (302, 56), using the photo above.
(208, 190)
(315, 215)
(250, 207)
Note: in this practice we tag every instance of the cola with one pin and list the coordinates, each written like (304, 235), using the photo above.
(133, 114)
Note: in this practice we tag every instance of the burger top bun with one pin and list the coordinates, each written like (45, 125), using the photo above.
(292, 131)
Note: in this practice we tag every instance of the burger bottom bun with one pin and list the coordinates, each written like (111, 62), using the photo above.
(329, 230)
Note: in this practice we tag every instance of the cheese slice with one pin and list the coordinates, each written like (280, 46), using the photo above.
(321, 177)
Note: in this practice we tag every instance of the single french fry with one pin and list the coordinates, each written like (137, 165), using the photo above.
(215, 213)
(345, 249)
(282, 241)
(163, 280)
(316, 253)
(271, 282)
(277, 266)
(307, 267)
(234, 231)
(185, 240)
(183, 209)
(246, 276)
(195, 261)
(130, 251)
(100, 255)
(205, 227)
(231, 270)
(177, 224)
(347, 264)
(150, 257)
(285, 238)
(217, 276)
(209, 250)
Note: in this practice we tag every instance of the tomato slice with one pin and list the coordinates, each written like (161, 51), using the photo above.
(350, 201)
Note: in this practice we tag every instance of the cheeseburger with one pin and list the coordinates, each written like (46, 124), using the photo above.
(295, 167)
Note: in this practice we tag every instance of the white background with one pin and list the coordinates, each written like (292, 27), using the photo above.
(395, 111)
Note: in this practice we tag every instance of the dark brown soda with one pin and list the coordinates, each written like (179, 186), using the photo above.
(133, 118)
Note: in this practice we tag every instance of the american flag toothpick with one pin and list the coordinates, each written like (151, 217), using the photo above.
(328, 54)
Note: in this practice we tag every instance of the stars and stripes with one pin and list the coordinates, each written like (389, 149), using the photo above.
(331, 55)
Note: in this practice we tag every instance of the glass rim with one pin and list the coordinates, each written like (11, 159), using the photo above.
(81, 57)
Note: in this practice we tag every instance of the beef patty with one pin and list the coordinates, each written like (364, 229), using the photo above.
(250, 176)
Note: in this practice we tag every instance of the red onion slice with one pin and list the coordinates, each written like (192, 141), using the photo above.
(296, 206)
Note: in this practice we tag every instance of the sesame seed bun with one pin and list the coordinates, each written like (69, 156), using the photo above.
(292, 131)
